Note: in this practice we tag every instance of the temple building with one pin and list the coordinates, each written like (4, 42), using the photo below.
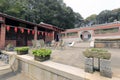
(21, 33)
(104, 35)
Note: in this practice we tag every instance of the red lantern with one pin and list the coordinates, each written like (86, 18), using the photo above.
(33, 32)
(38, 33)
(42, 33)
(15, 29)
(22, 30)
(46, 33)
(28, 31)
(8, 27)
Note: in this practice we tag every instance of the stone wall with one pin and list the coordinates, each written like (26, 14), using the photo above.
(47, 70)
(107, 44)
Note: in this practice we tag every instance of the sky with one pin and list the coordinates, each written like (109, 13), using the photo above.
(89, 7)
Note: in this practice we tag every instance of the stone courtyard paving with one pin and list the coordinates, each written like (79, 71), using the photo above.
(74, 57)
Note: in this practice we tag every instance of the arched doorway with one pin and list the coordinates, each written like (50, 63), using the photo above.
(85, 36)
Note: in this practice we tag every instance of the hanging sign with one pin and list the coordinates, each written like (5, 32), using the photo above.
(38, 33)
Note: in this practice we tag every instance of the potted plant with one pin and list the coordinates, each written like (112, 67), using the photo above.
(103, 61)
(105, 64)
(88, 61)
(41, 54)
(9, 47)
(22, 50)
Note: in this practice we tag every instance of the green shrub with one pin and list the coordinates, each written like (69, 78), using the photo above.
(97, 53)
(105, 55)
(98, 50)
(21, 49)
(87, 53)
(41, 52)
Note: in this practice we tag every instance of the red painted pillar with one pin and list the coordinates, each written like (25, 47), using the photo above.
(2, 36)
(53, 35)
(35, 35)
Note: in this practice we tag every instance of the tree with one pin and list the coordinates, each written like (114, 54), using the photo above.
(11, 7)
(54, 12)
(78, 20)
(116, 13)
(91, 19)
(104, 17)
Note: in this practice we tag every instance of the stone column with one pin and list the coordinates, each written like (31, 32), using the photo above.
(2, 36)
(35, 35)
